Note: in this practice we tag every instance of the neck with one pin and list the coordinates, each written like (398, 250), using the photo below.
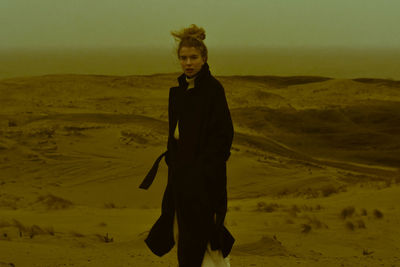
(191, 77)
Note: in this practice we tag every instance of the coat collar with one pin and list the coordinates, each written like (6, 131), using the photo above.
(204, 72)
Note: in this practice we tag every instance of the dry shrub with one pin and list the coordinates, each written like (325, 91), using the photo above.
(110, 205)
(328, 190)
(318, 207)
(309, 193)
(316, 223)
(350, 226)
(378, 214)
(6, 237)
(33, 230)
(236, 208)
(42, 132)
(289, 221)
(294, 210)
(364, 212)
(54, 203)
(306, 228)
(262, 206)
(9, 201)
(347, 212)
(76, 234)
(12, 123)
(283, 192)
(22, 228)
(361, 224)
(140, 138)
(366, 252)
(388, 183)
(36, 230)
(105, 238)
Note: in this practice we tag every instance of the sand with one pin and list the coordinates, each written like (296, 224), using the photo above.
(313, 179)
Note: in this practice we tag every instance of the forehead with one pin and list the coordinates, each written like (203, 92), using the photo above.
(189, 51)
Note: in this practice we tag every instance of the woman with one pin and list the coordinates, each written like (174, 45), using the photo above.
(199, 142)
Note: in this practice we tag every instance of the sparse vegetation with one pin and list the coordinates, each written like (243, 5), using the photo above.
(347, 212)
(366, 252)
(235, 208)
(30, 231)
(360, 224)
(307, 147)
(12, 123)
(262, 206)
(378, 214)
(110, 205)
(52, 202)
(364, 212)
(77, 234)
(289, 221)
(329, 190)
(350, 226)
(316, 223)
(306, 228)
(105, 238)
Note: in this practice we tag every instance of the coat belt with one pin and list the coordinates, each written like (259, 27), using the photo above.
(148, 180)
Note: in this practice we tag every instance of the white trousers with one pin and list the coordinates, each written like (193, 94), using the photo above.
(212, 258)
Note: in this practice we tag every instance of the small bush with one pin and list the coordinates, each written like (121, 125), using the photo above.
(294, 210)
(378, 214)
(350, 226)
(329, 190)
(318, 207)
(316, 223)
(289, 221)
(76, 234)
(364, 212)
(262, 206)
(347, 212)
(105, 238)
(110, 205)
(361, 224)
(306, 228)
(54, 203)
(12, 123)
(366, 252)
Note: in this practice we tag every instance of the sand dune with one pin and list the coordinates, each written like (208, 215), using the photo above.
(313, 179)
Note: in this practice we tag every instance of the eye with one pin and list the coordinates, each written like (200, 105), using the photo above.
(194, 57)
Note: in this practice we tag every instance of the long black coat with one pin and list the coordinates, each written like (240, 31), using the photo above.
(196, 188)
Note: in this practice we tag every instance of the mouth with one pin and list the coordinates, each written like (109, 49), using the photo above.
(189, 70)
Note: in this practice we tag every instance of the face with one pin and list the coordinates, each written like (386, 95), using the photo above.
(191, 60)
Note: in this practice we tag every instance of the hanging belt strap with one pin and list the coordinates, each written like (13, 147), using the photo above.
(148, 180)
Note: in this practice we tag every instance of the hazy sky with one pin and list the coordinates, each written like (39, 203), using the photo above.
(103, 23)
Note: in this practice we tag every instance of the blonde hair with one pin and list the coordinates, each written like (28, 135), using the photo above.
(192, 36)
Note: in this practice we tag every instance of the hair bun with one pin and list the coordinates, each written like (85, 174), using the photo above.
(191, 32)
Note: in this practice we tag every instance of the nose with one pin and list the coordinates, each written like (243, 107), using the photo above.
(188, 61)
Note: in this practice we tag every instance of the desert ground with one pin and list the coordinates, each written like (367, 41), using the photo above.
(313, 179)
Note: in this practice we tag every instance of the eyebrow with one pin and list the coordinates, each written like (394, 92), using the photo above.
(190, 56)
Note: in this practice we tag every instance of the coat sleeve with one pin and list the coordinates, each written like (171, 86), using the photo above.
(216, 152)
(220, 129)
